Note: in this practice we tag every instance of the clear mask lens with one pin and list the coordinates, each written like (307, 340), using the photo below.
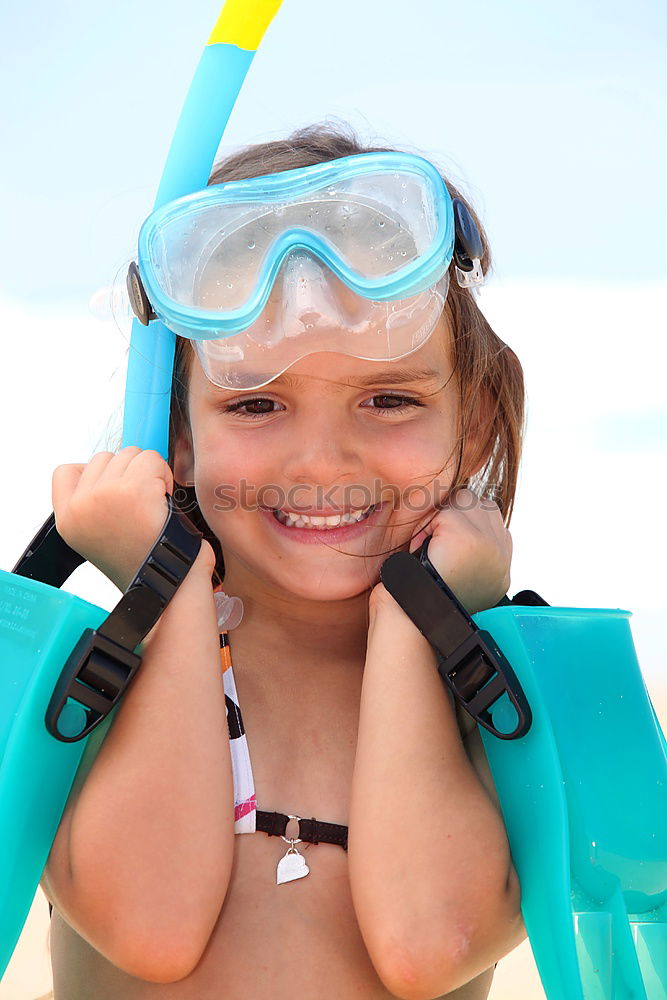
(310, 310)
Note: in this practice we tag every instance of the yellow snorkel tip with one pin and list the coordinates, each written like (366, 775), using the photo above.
(243, 23)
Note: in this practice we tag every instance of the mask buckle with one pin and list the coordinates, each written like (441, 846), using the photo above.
(468, 249)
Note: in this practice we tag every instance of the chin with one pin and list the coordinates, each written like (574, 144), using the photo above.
(339, 587)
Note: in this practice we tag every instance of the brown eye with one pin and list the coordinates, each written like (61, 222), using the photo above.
(388, 401)
(261, 407)
(384, 405)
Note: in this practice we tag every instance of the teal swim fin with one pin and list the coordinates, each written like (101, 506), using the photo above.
(584, 797)
(581, 773)
(39, 627)
(66, 666)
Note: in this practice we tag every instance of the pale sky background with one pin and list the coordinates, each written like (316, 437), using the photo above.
(551, 114)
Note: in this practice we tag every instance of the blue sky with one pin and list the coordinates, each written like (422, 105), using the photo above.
(553, 114)
(553, 117)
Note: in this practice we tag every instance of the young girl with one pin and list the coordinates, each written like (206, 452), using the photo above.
(331, 709)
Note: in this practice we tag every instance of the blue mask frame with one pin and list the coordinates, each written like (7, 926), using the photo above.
(291, 185)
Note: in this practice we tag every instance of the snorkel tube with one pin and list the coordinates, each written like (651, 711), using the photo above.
(215, 87)
(41, 626)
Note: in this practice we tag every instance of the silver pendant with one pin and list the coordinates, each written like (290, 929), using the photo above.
(292, 866)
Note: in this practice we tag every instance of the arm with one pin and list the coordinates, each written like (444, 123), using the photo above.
(434, 889)
(433, 886)
(152, 820)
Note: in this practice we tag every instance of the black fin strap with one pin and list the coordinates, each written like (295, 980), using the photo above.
(48, 558)
(469, 660)
(103, 662)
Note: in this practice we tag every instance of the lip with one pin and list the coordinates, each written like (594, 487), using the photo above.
(323, 511)
(315, 536)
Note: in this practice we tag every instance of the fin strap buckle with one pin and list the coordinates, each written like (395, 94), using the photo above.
(469, 660)
(101, 666)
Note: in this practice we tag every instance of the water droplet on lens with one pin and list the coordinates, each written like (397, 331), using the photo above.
(381, 223)
(251, 245)
(403, 253)
(229, 285)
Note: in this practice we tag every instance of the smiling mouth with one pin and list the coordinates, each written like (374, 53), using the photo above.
(322, 523)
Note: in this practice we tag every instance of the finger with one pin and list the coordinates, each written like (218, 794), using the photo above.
(120, 461)
(64, 481)
(488, 517)
(480, 512)
(464, 501)
(94, 469)
(150, 463)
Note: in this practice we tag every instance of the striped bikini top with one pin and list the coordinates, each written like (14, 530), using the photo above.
(245, 800)
(247, 817)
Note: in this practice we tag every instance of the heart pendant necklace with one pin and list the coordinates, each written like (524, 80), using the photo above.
(292, 865)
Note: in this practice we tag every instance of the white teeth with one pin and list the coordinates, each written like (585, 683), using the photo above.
(332, 521)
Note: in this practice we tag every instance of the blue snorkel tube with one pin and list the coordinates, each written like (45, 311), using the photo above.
(216, 85)
(41, 626)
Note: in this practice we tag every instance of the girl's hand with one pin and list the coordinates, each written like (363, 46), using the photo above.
(471, 549)
(112, 510)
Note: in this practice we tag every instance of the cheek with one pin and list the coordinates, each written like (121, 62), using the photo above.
(413, 455)
(229, 475)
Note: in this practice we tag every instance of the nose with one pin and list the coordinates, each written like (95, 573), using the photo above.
(323, 449)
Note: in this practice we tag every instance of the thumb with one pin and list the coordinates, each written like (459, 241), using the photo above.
(63, 483)
(419, 539)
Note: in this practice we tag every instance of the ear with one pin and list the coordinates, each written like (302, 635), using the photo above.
(184, 465)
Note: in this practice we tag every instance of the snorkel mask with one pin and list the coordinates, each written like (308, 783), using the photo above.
(350, 256)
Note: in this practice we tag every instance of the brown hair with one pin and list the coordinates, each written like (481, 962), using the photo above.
(489, 374)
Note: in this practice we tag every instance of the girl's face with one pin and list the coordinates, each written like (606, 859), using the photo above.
(332, 435)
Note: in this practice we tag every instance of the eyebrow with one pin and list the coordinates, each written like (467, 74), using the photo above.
(390, 376)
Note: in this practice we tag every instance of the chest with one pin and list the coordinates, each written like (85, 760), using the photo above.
(301, 738)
